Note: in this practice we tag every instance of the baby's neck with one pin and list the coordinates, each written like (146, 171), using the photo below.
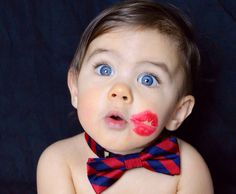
(126, 152)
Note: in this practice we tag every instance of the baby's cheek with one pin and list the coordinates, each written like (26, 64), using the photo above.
(87, 108)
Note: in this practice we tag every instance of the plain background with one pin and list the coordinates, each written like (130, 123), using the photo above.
(38, 39)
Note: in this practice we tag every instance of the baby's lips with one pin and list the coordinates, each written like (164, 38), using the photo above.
(116, 114)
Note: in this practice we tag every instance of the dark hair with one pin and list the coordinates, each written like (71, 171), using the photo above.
(167, 20)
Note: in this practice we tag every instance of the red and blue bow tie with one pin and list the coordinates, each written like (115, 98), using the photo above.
(162, 156)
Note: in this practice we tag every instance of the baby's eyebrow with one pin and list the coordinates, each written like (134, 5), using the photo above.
(160, 65)
(98, 51)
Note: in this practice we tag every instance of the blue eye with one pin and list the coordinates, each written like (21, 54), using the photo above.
(148, 80)
(104, 70)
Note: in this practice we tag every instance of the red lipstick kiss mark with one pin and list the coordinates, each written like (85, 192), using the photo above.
(145, 123)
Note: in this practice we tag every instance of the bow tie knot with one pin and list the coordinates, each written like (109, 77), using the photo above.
(133, 163)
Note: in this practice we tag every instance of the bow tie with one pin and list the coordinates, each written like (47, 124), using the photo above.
(162, 157)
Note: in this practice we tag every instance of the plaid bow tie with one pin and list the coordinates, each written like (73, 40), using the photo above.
(162, 157)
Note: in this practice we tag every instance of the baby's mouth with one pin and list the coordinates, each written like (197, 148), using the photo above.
(115, 120)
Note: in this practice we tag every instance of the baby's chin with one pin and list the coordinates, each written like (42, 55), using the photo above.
(123, 144)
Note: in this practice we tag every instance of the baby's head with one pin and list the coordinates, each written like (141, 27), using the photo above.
(132, 74)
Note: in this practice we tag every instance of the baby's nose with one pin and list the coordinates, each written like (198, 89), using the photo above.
(122, 92)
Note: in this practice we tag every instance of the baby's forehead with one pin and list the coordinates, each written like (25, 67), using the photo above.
(126, 33)
(135, 44)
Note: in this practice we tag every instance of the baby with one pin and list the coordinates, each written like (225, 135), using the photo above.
(131, 84)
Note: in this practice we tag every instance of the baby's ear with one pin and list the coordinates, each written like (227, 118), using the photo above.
(72, 84)
(182, 111)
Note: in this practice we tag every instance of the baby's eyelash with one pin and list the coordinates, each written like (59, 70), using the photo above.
(97, 64)
(156, 77)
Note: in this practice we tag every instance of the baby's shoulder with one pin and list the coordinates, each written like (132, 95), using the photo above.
(60, 155)
(189, 155)
(55, 165)
(194, 171)
(64, 150)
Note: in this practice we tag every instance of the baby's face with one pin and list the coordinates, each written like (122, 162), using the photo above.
(128, 88)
